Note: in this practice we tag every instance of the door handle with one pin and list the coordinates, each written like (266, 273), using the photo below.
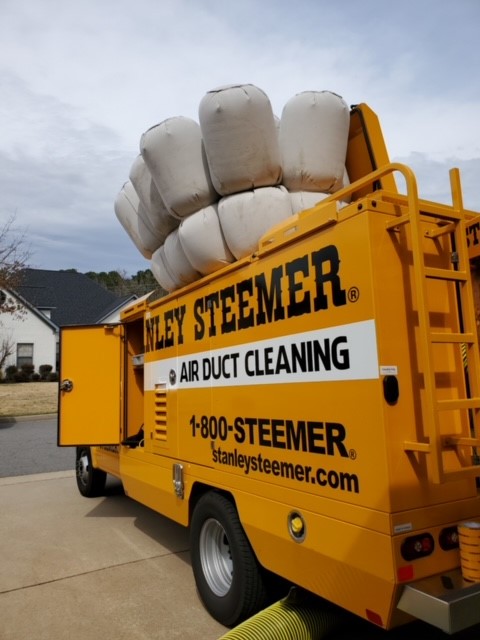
(66, 385)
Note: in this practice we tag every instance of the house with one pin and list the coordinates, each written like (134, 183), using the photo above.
(50, 300)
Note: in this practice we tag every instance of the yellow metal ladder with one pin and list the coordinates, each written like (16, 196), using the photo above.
(451, 221)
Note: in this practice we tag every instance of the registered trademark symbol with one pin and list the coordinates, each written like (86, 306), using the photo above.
(353, 294)
(353, 454)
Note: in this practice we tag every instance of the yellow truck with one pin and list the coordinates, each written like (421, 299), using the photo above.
(309, 411)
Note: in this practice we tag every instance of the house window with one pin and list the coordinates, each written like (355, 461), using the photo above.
(24, 354)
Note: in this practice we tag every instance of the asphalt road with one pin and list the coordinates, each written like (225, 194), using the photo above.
(29, 445)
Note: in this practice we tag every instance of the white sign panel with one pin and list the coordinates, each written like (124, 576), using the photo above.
(347, 352)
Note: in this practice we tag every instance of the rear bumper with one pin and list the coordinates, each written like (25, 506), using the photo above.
(446, 601)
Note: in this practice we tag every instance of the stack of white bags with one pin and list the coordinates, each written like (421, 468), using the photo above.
(201, 195)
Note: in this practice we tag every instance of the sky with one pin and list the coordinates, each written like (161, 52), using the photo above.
(80, 82)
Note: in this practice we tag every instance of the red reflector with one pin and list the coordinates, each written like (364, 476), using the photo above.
(427, 545)
(374, 617)
(405, 573)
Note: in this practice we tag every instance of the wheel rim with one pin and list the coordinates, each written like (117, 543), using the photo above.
(216, 558)
(82, 469)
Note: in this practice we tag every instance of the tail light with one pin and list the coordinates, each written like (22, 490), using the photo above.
(448, 538)
(415, 547)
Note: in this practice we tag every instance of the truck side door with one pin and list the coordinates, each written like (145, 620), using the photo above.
(91, 385)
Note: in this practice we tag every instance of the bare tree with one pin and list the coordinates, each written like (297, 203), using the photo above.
(14, 256)
(7, 349)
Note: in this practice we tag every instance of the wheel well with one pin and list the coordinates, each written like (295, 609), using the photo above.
(198, 490)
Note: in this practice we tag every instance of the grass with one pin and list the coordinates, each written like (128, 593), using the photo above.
(28, 398)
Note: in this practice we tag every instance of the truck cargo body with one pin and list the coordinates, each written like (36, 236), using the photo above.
(326, 386)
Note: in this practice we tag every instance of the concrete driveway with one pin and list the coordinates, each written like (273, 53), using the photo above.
(104, 568)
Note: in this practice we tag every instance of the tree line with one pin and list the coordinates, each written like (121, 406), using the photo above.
(120, 284)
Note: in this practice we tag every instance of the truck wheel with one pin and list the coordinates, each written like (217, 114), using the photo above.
(90, 481)
(227, 574)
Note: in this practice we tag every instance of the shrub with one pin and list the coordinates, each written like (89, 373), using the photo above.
(27, 370)
(52, 377)
(45, 370)
(35, 377)
(10, 372)
(20, 376)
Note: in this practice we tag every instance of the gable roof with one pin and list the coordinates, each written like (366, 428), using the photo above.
(71, 297)
(36, 312)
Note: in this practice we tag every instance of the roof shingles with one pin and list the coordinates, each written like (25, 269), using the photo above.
(72, 297)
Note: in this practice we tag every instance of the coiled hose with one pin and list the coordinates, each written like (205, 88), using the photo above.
(295, 617)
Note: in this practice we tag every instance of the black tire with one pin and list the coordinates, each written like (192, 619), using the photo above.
(227, 574)
(90, 481)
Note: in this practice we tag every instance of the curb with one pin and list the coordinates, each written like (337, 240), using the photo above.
(40, 416)
(36, 477)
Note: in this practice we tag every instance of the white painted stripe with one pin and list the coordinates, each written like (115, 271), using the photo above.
(347, 352)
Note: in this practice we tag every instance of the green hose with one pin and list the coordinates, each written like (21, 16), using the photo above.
(295, 617)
